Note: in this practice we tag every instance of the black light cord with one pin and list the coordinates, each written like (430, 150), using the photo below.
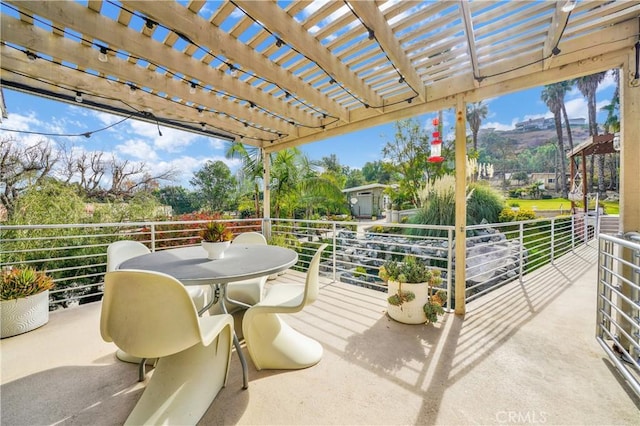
(133, 87)
(85, 134)
(178, 76)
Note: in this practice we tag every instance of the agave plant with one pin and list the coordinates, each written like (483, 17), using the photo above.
(216, 232)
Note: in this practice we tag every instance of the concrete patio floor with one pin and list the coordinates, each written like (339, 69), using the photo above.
(524, 354)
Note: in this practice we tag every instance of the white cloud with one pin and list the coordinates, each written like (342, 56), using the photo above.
(577, 108)
(498, 126)
(186, 166)
(608, 82)
(172, 140)
(138, 149)
(22, 122)
(26, 123)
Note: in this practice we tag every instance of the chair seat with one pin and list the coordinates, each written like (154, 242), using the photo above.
(282, 296)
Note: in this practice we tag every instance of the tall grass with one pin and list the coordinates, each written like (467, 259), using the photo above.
(484, 204)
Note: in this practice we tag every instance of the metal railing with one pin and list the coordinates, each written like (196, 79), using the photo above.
(75, 254)
(503, 252)
(618, 303)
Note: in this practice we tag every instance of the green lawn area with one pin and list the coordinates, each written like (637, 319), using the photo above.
(610, 207)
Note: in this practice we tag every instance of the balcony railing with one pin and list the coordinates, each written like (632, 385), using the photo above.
(618, 307)
(75, 254)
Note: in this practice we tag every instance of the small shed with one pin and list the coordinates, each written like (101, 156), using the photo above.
(367, 200)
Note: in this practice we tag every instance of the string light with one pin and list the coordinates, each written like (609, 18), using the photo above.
(569, 6)
(79, 97)
(102, 56)
(192, 89)
(31, 56)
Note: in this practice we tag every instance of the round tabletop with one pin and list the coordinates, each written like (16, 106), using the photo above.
(191, 266)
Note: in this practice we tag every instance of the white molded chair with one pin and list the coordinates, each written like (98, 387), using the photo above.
(120, 251)
(150, 315)
(271, 342)
(248, 291)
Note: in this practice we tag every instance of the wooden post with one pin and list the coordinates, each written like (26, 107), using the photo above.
(629, 179)
(461, 205)
(266, 207)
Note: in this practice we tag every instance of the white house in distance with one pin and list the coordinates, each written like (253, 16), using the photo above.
(546, 123)
(367, 200)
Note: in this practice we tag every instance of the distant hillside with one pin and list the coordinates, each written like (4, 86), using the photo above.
(533, 138)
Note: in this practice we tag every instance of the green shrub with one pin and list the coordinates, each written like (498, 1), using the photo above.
(509, 215)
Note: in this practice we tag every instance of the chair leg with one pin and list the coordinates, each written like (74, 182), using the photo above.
(141, 372)
(273, 344)
(183, 385)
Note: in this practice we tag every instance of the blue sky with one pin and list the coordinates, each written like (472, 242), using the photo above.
(137, 141)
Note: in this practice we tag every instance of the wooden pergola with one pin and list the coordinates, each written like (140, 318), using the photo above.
(281, 74)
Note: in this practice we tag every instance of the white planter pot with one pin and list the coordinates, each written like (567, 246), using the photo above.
(215, 250)
(25, 314)
(409, 312)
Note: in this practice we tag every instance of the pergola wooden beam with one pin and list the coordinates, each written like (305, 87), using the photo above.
(279, 22)
(373, 18)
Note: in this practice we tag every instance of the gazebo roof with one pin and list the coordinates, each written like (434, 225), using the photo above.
(594, 145)
(279, 74)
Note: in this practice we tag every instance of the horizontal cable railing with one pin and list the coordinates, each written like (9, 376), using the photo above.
(75, 254)
(358, 249)
(503, 252)
(618, 303)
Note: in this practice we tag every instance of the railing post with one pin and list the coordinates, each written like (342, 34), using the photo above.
(450, 267)
(153, 236)
(553, 228)
(334, 250)
(573, 233)
(521, 236)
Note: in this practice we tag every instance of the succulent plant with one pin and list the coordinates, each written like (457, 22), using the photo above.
(216, 232)
(16, 283)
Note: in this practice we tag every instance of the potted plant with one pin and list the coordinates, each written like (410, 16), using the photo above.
(24, 300)
(413, 298)
(216, 238)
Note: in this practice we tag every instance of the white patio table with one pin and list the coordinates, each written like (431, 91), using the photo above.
(191, 266)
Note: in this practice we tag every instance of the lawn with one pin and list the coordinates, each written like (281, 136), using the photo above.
(610, 207)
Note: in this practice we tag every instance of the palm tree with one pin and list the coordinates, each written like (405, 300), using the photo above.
(553, 96)
(476, 112)
(566, 86)
(612, 124)
(252, 168)
(588, 86)
(296, 183)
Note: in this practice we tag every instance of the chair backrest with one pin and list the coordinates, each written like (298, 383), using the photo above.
(148, 314)
(250, 238)
(123, 250)
(312, 284)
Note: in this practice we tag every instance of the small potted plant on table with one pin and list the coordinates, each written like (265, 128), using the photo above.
(413, 298)
(216, 238)
(24, 300)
